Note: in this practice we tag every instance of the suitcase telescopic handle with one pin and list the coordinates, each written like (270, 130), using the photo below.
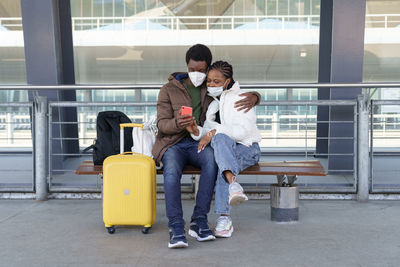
(130, 153)
(122, 126)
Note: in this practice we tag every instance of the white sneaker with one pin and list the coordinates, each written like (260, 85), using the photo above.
(236, 195)
(224, 227)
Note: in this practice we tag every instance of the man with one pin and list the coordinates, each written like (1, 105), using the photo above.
(175, 148)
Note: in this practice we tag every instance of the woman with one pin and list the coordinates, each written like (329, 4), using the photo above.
(233, 136)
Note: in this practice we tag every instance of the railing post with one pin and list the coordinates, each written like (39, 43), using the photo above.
(363, 149)
(40, 105)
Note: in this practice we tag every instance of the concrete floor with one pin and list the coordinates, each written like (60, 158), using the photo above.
(329, 233)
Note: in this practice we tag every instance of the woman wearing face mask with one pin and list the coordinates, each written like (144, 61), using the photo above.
(234, 137)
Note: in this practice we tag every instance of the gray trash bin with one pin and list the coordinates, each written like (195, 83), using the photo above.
(284, 203)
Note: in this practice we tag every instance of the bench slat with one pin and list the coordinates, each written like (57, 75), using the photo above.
(300, 168)
(88, 169)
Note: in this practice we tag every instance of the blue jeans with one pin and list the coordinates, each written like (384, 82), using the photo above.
(232, 156)
(174, 159)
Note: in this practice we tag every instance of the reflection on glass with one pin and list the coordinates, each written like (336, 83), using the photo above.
(136, 41)
(381, 63)
(15, 123)
(12, 59)
(382, 41)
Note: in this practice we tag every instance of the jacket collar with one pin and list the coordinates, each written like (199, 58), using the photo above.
(177, 78)
(235, 87)
(180, 76)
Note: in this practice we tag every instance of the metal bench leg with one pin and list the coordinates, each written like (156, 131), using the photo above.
(196, 180)
(281, 179)
(291, 179)
(99, 179)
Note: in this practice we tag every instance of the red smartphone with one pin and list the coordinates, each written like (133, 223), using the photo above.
(186, 111)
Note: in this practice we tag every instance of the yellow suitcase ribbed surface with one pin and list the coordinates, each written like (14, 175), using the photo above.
(129, 190)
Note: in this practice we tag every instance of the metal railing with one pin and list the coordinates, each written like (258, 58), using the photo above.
(384, 146)
(196, 23)
(258, 22)
(43, 121)
(382, 21)
(59, 178)
(12, 124)
(16, 130)
(61, 181)
(11, 24)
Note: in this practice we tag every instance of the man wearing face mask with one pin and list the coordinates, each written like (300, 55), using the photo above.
(175, 148)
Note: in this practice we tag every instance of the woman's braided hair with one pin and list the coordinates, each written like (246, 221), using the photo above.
(225, 68)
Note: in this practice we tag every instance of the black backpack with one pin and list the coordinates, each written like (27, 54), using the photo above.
(107, 142)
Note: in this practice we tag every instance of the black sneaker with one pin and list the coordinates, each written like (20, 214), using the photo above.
(199, 229)
(177, 238)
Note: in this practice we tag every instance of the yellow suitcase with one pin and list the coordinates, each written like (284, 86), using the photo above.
(129, 190)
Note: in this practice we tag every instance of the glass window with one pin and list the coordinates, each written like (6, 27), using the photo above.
(382, 41)
(12, 57)
(12, 61)
(137, 41)
(381, 64)
(15, 122)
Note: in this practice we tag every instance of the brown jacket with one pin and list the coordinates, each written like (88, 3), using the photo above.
(171, 97)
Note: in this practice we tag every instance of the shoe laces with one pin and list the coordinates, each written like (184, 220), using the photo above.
(203, 225)
(222, 221)
(235, 187)
(178, 231)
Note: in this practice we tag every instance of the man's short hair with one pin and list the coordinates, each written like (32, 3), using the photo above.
(199, 52)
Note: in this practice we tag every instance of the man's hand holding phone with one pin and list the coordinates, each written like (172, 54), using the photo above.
(185, 118)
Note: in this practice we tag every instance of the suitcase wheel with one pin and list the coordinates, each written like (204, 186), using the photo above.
(111, 230)
(145, 230)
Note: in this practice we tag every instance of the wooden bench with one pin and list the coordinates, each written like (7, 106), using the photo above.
(285, 170)
(284, 195)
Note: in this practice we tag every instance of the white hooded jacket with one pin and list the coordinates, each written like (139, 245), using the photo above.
(238, 125)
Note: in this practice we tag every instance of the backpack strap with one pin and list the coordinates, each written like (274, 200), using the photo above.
(88, 148)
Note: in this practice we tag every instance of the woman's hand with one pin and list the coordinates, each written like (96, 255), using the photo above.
(205, 141)
(246, 103)
(193, 129)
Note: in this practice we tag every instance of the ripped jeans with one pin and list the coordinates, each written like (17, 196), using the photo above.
(232, 156)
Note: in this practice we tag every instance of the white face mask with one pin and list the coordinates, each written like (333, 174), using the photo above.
(197, 78)
(215, 91)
